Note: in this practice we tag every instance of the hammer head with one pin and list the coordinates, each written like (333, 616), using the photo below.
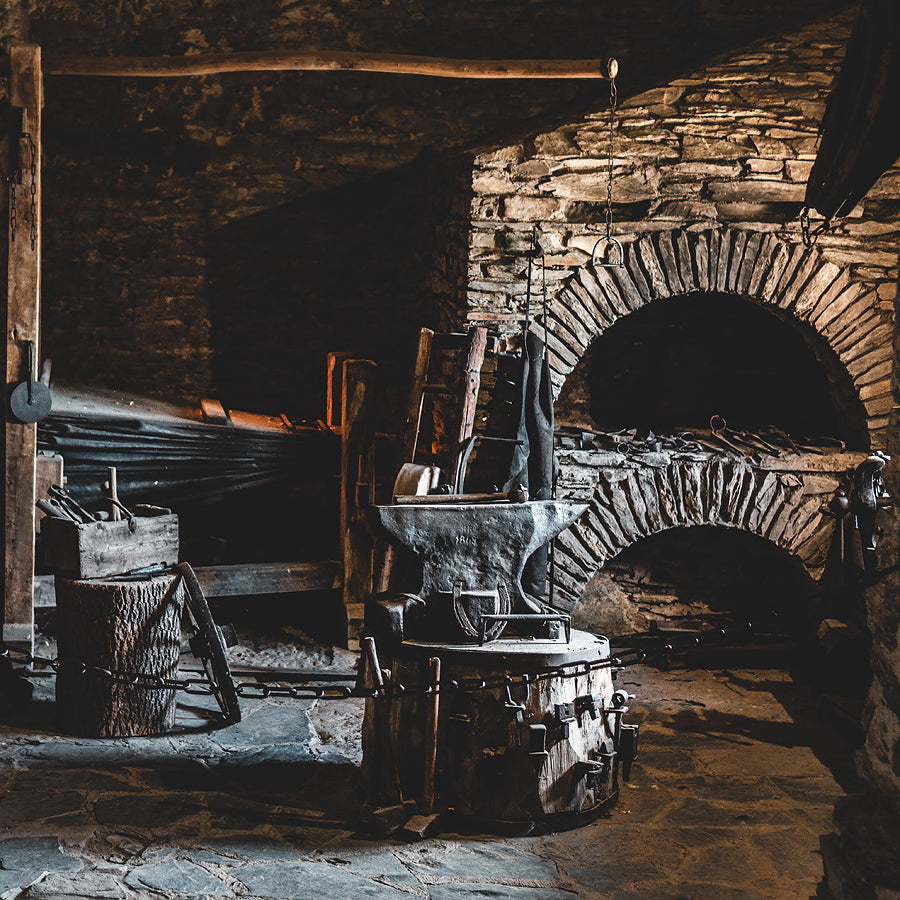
(477, 545)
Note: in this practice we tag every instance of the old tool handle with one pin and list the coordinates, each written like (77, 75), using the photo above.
(433, 499)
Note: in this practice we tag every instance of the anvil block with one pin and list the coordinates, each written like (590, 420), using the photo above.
(477, 545)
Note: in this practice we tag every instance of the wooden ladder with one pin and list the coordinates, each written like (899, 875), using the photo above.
(463, 385)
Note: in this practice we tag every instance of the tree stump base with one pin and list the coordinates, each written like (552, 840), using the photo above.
(124, 626)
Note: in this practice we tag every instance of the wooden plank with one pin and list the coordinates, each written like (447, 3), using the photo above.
(323, 61)
(410, 435)
(22, 323)
(357, 486)
(471, 382)
(269, 578)
(334, 370)
(239, 580)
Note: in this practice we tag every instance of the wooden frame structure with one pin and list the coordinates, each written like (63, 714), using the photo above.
(24, 276)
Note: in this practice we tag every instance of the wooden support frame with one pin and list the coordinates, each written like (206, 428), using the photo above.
(22, 325)
(357, 489)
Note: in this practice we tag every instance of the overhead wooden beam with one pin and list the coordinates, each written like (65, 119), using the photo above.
(22, 322)
(322, 61)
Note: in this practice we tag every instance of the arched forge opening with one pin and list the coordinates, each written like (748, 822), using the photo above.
(691, 541)
(672, 365)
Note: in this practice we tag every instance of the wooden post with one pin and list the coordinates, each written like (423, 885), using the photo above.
(357, 489)
(22, 324)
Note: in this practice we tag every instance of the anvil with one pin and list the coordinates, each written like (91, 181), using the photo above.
(476, 545)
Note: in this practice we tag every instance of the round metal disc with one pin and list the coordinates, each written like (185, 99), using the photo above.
(37, 409)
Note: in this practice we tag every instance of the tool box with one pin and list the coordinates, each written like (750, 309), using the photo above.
(99, 549)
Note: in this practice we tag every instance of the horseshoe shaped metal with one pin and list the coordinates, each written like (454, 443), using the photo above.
(604, 263)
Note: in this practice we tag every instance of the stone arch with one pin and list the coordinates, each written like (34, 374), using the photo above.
(635, 501)
(797, 280)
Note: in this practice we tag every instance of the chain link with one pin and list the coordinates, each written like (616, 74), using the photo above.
(32, 153)
(260, 691)
(613, 102)
(13, 212)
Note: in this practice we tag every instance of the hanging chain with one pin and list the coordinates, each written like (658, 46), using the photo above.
(14, 179)
(612, 68)
(13, 212)
(32, 154)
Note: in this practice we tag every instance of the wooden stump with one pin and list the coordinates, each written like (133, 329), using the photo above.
(122, 625)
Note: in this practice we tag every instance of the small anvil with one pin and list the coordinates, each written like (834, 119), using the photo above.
(475, 546)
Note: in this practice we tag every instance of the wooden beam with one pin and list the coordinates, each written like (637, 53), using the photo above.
(22, 323)
(323, 61)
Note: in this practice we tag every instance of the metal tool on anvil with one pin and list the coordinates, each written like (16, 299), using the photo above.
(472, 555)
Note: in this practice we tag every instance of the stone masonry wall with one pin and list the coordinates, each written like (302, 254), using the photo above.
(725, 152)
(221, 234)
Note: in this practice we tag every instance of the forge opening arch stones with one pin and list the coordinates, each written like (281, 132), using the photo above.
(844, 312)
(636, 498)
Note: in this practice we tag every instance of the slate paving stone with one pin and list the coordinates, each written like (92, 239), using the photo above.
(87, 885)
(809, 790)
(177, 876)
(143, 812)
(312, 881)
(18, 809)
(18, 878)
(712, 814)
(612, 875)
(732, 789)
(483, 862)
(688, 891)
(666, 760)
(725, 865)
(496, 892)
(370, 861)
(56, 779)
(36, 853)
(236, 849)
(791, 854)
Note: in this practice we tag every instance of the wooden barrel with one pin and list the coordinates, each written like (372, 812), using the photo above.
(128, 625)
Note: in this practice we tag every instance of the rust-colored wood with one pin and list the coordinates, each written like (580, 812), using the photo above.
(471, 382)
(323, 61)
(22, 324)
(410, 435)
(357, 487)
(334, 371)
(431, 736)
(131, 626)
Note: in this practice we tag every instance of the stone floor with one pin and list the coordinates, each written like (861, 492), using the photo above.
(735, 783)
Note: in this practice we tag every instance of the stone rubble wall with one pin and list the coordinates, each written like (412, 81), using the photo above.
(722, 155)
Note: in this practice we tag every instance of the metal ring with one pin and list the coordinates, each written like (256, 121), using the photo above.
(605, 242)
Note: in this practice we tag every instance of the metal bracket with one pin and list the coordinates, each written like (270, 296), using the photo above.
(518, 709)
(564, 713)
(605, 262)
(537, 741)
(523, 617)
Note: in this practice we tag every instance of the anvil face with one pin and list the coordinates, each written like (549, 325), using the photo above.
(477, 545)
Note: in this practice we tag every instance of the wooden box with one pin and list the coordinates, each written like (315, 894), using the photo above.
(99, 549)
